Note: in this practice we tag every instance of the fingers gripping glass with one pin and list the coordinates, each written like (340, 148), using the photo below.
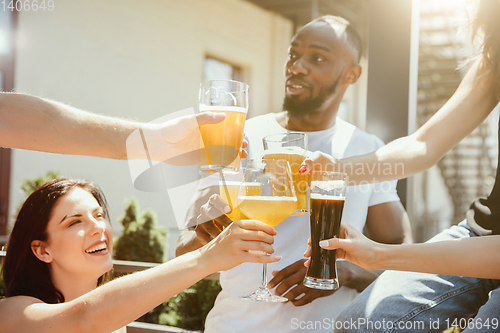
(267, 194)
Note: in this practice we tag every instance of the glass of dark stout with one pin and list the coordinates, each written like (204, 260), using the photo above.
(327, 197)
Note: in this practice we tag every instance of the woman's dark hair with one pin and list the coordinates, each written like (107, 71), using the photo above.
(23, 273)
(486, 23)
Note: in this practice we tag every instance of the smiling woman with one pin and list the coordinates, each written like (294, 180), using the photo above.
(61, 245)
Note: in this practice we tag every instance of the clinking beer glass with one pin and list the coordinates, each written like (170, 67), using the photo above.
(291, 147)
(327, 197)
(222, 141)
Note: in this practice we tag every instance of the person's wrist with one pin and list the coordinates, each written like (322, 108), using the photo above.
(382, 257)
(204, 261)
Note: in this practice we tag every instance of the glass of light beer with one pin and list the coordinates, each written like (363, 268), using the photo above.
(222, 141)
(229, 187)
(267, 194)
(327, 197)
(291, 147)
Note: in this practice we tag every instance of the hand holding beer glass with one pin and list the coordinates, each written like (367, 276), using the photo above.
(291, 147)
(223, 140)
(327, 197)
(267, 194)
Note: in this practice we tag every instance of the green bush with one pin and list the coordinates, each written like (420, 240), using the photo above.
(189, 308)
(142, 239)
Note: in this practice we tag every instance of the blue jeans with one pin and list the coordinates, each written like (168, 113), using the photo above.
(417, 302)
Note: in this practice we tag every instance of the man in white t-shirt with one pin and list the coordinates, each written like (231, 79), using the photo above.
(323, 61)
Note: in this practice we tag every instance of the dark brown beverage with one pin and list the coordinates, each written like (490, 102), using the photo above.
(326, 214)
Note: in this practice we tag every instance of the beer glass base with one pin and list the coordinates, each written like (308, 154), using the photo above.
(263, 295)
(219, 169)
(299, 212)
(325, 284)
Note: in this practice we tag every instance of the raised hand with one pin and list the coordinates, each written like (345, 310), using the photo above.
(352, 246)
(233, 245)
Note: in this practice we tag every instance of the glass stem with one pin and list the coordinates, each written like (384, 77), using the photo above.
(264, 276)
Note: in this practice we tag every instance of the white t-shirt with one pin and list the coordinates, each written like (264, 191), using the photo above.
(231, 314)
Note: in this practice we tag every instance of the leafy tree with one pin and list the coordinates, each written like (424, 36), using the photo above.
(142, 239)
(189, 308)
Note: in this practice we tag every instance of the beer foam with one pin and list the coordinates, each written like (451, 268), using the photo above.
(266, 198)
(230, 183)
(204, 108)
(291, 150)
(328, 184)
(327, 197)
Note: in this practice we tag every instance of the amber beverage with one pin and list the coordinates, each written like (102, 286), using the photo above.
(270, 210)
(222, 142)
(299, 180)
(290, 147)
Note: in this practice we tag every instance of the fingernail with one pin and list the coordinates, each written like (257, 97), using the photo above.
(302, 168)
(323, 243)
(275, 232)
(227, 209)
(276, 258)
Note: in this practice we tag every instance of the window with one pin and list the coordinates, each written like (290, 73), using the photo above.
(214, 69)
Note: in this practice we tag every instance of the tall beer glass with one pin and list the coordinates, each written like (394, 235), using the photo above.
(291, 147)
(327, 197)
(222, 141)
(267, 195)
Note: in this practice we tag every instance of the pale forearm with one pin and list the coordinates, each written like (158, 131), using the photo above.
(28, 122)
(399, 159)
(123, 300)
(475, 257)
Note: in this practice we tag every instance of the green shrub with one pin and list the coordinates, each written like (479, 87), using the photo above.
(189, 308)
(142, 239)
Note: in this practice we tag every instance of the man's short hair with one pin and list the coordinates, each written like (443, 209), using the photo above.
(352, 36)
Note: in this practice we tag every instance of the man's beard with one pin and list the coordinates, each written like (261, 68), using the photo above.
(298, 108)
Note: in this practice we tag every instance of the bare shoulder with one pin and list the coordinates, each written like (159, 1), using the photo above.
(13, 311)
(9, 303)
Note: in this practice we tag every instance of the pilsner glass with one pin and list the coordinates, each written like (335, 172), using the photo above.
(223, 140)
(267, 195)
(327, 197)
(291, 147)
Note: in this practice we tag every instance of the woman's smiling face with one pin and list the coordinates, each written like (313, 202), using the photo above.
(79, 237)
